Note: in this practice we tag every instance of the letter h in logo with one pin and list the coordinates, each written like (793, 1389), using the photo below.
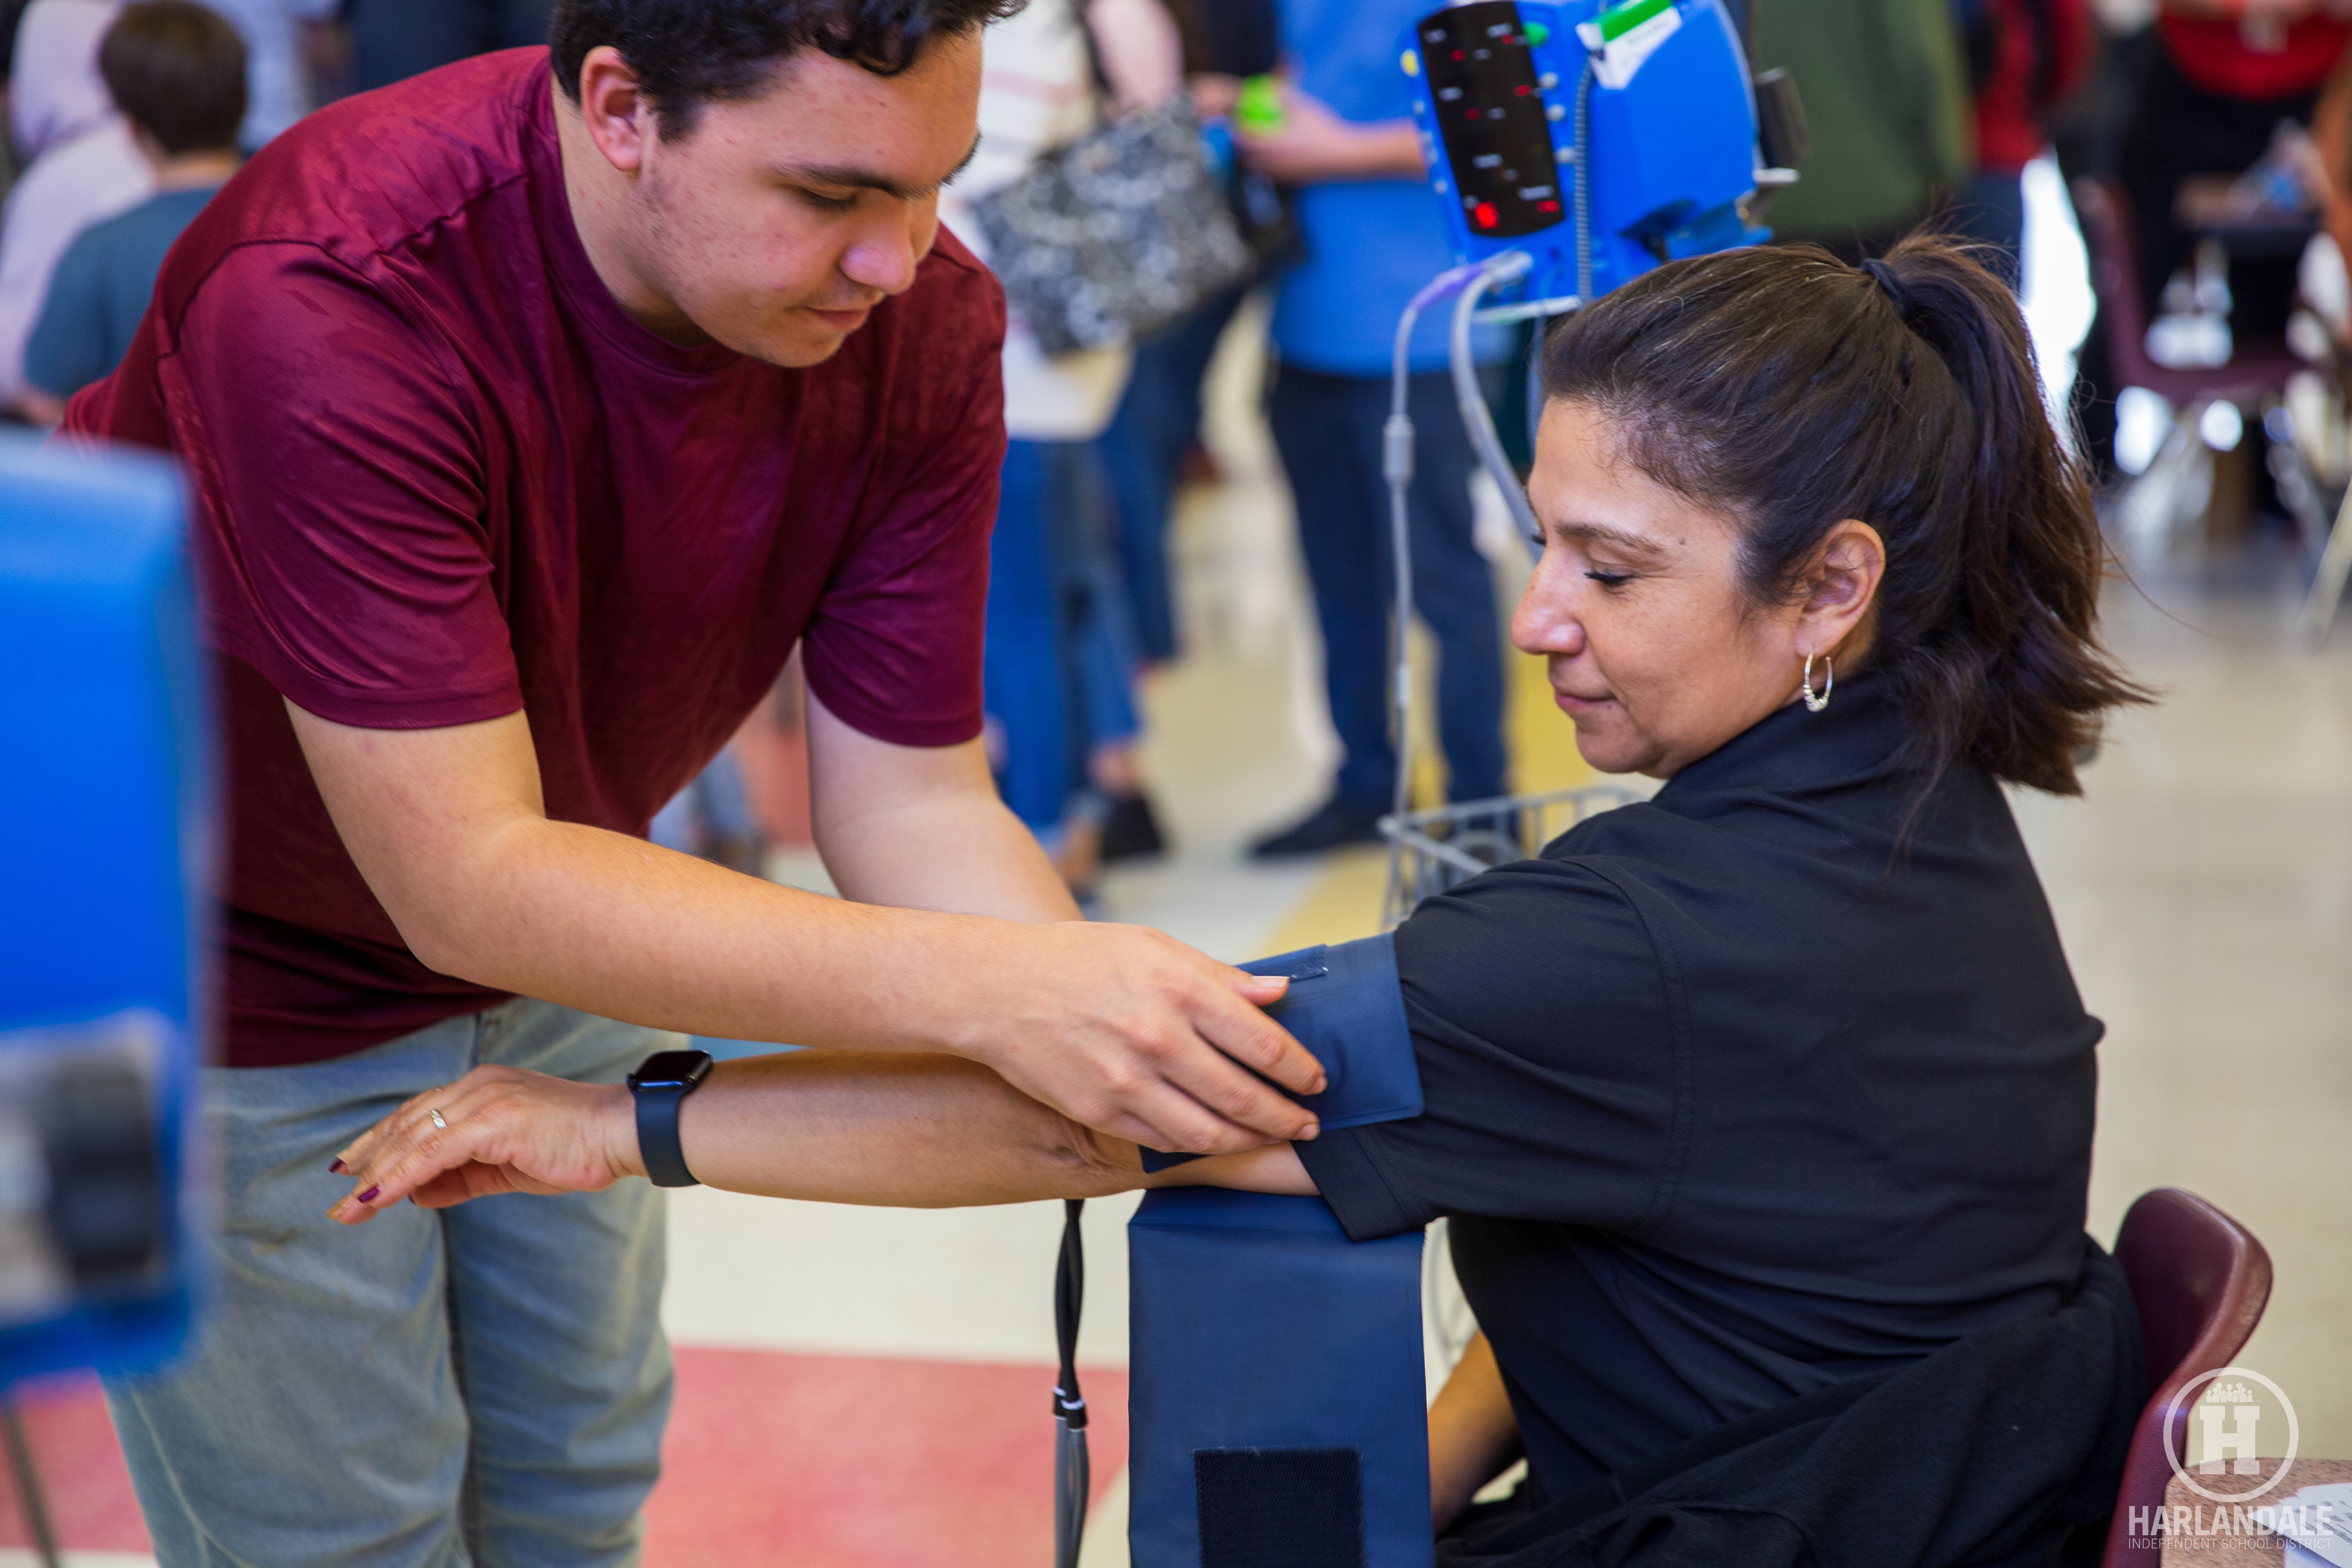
(2228, 1417)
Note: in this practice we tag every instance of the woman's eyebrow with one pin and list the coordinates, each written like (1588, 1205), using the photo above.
(1602, 533)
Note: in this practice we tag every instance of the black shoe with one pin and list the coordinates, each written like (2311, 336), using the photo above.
(1130, 832)
(1334, 823)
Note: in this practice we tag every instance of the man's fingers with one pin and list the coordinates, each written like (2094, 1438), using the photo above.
(1258, 1042)
(1259, 1112)
(1177, 1124)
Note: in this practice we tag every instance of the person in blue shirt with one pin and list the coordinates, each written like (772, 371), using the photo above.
(176, 70)
(1373, 236)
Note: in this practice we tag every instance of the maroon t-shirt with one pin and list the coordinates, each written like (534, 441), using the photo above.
(438, 475)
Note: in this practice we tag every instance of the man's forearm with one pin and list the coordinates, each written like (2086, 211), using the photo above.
(1123, 1028)
(965, 853)
(612, 925)
(922, 828)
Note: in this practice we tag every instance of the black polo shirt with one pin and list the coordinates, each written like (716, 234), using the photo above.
(1729, 1101)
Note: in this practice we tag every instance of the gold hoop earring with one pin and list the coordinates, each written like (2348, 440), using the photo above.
(1816, 702)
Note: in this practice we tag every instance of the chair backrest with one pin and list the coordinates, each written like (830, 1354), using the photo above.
(2104, 213)
(2200, 1281)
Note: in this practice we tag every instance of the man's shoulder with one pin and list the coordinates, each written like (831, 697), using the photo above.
(378, 172)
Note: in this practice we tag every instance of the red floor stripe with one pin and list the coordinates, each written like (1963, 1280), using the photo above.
(771, 1460)
(89, 1492)
(836, 1461)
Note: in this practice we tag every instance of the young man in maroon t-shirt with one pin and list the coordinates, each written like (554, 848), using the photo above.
(531, 412)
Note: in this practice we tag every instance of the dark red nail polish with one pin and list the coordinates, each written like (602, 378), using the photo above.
(369, 1196)
(335, 1169)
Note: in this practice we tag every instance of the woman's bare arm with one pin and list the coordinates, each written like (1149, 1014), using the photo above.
(1473, 1434)
(916, 1131)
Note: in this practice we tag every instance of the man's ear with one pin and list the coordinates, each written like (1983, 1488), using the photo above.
(1842, 586)
(618, 115)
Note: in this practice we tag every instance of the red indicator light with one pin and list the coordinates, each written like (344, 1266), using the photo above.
(1470, 114)
(1522, 91)
(1547, 206)
(1460, 56)
(1483, 215)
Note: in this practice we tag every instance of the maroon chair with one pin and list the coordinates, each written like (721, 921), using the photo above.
(2201, 1280)
(2255, 371)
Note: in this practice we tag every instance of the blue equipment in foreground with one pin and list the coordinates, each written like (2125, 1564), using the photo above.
(108, 800)
(1276, 1398)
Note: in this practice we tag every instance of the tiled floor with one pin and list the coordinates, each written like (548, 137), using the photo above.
(869, 1386)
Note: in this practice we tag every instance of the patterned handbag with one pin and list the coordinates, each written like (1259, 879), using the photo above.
(1108, 241)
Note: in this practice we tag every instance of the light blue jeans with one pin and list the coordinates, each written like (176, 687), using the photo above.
(480, 1386)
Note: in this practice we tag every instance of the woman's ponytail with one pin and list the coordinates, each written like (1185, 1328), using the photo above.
(1793, 391)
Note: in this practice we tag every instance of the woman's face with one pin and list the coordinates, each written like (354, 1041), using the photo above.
(1635, 606)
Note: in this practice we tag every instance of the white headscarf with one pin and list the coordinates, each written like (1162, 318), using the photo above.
(54, 88)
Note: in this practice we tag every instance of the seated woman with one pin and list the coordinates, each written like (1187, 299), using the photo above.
(1777, 1079)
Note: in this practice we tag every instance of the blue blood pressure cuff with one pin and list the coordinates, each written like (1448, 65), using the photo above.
(1277, 1404)
(1346, 1006)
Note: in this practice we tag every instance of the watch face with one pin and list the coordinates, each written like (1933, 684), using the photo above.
(671, 1070)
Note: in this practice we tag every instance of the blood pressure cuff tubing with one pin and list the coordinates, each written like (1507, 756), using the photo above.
(1346, 1006)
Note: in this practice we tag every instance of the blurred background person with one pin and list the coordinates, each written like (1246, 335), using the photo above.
(1372, 238)
(176, 72)
(392, 40)
(1887, 99)
(2025, 57)
(1156, 432)
(713, 817)
(80, 162)
(277, 85)
(1061, 658)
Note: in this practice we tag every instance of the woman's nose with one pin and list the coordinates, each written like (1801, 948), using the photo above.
(1544, 622)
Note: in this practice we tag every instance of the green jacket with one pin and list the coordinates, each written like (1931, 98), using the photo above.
(1886, 96)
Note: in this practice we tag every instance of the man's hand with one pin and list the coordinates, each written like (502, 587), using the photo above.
(1128, 1030)
(500, 1130)
(1315, 145)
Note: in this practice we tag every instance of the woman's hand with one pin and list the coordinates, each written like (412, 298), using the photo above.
(505, 1131)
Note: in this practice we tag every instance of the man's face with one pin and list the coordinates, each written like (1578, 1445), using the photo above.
(779, 222)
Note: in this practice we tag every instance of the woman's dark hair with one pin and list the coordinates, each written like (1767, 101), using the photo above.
(1790, 391)
(688, 53)
(177, 71)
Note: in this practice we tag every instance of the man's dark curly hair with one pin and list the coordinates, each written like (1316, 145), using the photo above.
(688, 53)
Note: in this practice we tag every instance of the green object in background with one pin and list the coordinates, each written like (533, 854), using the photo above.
(1620, 20)
(1259, 108)
(1537, 34)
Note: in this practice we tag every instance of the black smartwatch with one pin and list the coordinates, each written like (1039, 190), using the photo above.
(660, 1082)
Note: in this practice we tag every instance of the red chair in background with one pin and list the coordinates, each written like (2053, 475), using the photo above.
(2254, 378)
(2201, 1280)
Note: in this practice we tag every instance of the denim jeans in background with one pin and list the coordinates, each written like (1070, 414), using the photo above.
(1058, 663)
(1328, 429)
(1158, 419)
(716, 806)
(485, 1385)
(393, 40)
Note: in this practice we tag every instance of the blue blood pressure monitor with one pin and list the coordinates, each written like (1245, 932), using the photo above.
(1647, 107)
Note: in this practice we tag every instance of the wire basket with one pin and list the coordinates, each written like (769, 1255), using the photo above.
(1430, 851)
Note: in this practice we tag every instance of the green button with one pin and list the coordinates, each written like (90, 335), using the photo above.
(1537, 34)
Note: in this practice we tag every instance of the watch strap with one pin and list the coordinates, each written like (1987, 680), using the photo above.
(657, 1139)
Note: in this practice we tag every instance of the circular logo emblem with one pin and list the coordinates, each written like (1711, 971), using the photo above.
(2230, 1416)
